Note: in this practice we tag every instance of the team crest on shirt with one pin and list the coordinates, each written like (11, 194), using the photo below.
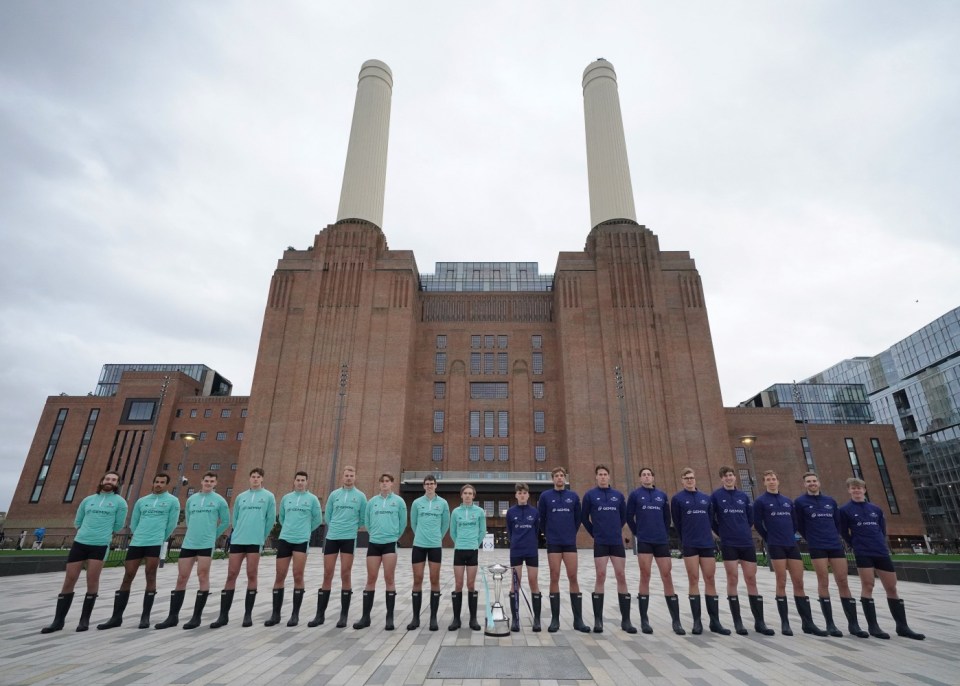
(568, 500)
(828, 506)
(873, 514)
(741, 502)
(613, 499)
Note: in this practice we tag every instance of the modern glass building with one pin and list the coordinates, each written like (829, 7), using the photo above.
(818, 403)
(212, 383)
(915, 385)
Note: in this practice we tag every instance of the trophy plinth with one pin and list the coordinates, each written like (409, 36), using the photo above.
(498, 624)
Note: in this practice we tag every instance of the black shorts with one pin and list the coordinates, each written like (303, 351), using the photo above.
(344, 546)
(465, 558)
(604, 550)
(420, 555)
(81, 551)
(783, 552)
(655, 549)
(732, 553)
(195, 552)
(287, 549)
(244, 548)
(138, 552)
(883, 563)
(381, 549)
(558, 548)
(693, 551)
(826, 553)
(529, 560)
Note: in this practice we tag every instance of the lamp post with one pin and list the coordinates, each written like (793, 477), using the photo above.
(748, 441)
(188, 440)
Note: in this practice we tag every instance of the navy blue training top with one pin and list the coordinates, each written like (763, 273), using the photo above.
(692, 512)
(523, 527)
(733, 518)
(648, 515)
(818, 521)
(559, 516)
(604, 514)
(773, 519)
(863, 526)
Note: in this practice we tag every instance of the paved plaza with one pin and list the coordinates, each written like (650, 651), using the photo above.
(327, 655)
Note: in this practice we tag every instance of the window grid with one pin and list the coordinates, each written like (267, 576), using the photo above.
(538, 390)
(489, 390)
(503, 424)
(441, 341)
(193, 414)
(537, 363)
(502, 363)
(436, 453)
(440, 390)
(740, 454)
(208, 413)
(225, 414)
(221, 435)
(474, 453)
(438, 421)
(536, 341)
(474, 423)
(48, 455)
(503, 453)
(885, 477)
(540, 453)
(475, 363)
(488, 453)
(81, 456)
(854, 460)
(539, 422)
(502, 342)
(488, 418)
(440, 363)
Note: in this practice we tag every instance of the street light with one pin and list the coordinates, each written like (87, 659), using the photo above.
(188, 440)
(748, 441)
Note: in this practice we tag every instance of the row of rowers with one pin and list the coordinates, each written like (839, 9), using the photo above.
(697, 517)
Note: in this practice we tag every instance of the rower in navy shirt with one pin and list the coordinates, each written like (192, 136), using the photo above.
(523, 530)
(733, 523)
(863, 526)
(773, 519)
(692, 512)
(648, 516)
(817, 517)
(604, 514)
(559, 510)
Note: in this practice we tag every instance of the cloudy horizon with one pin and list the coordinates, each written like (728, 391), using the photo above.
(158, 159)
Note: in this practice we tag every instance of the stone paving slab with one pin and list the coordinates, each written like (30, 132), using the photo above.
(327, 655)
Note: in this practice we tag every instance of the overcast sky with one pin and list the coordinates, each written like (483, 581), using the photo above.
(157, 158)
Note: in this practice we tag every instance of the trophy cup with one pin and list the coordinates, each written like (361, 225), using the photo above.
(498, 624)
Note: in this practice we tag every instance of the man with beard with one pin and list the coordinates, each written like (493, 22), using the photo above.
(154, 518)
(98, 518)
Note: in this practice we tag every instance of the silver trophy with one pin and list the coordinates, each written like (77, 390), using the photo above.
(498, 624)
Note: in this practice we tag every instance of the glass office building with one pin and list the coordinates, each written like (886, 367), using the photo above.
(915, 385)
(818, 403)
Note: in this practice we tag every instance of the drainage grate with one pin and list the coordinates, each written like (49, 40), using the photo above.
(490, 662)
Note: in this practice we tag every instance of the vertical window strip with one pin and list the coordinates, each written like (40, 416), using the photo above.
(81, 456)
(48, 454)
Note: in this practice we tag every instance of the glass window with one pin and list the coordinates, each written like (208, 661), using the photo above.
(224, 414)
(502, 363)
(475, 342)
(488, 453)
(196, 466)
(482, 390)
(540, 453)
(537, 363)
(502, 507)
(440, 390)
(140, 410)
(746, 483)
(221, 435)
(474, 453)
(488, 424)
(438, 421)
(538, 389)
(442, 341)
(503, 453)
(489, 341)
(475, 423)
(202, 436)
(239, 435)
(502, 342)
(503, 424)
(440, 363)
(885, 477)
(488, 508)
(808, 454)
(179, 412)
(191, 491)
(740, 454)
(488, 359)
(166, 466)
(233, 466)
(536, 341)
(229, 492)
(208, 413)
(243, 412)
(193, 413)
(854, 460)
(539, 422)
(436, 453)
(52, 443)
(214, 466)
(173, 435)
(475, 363)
